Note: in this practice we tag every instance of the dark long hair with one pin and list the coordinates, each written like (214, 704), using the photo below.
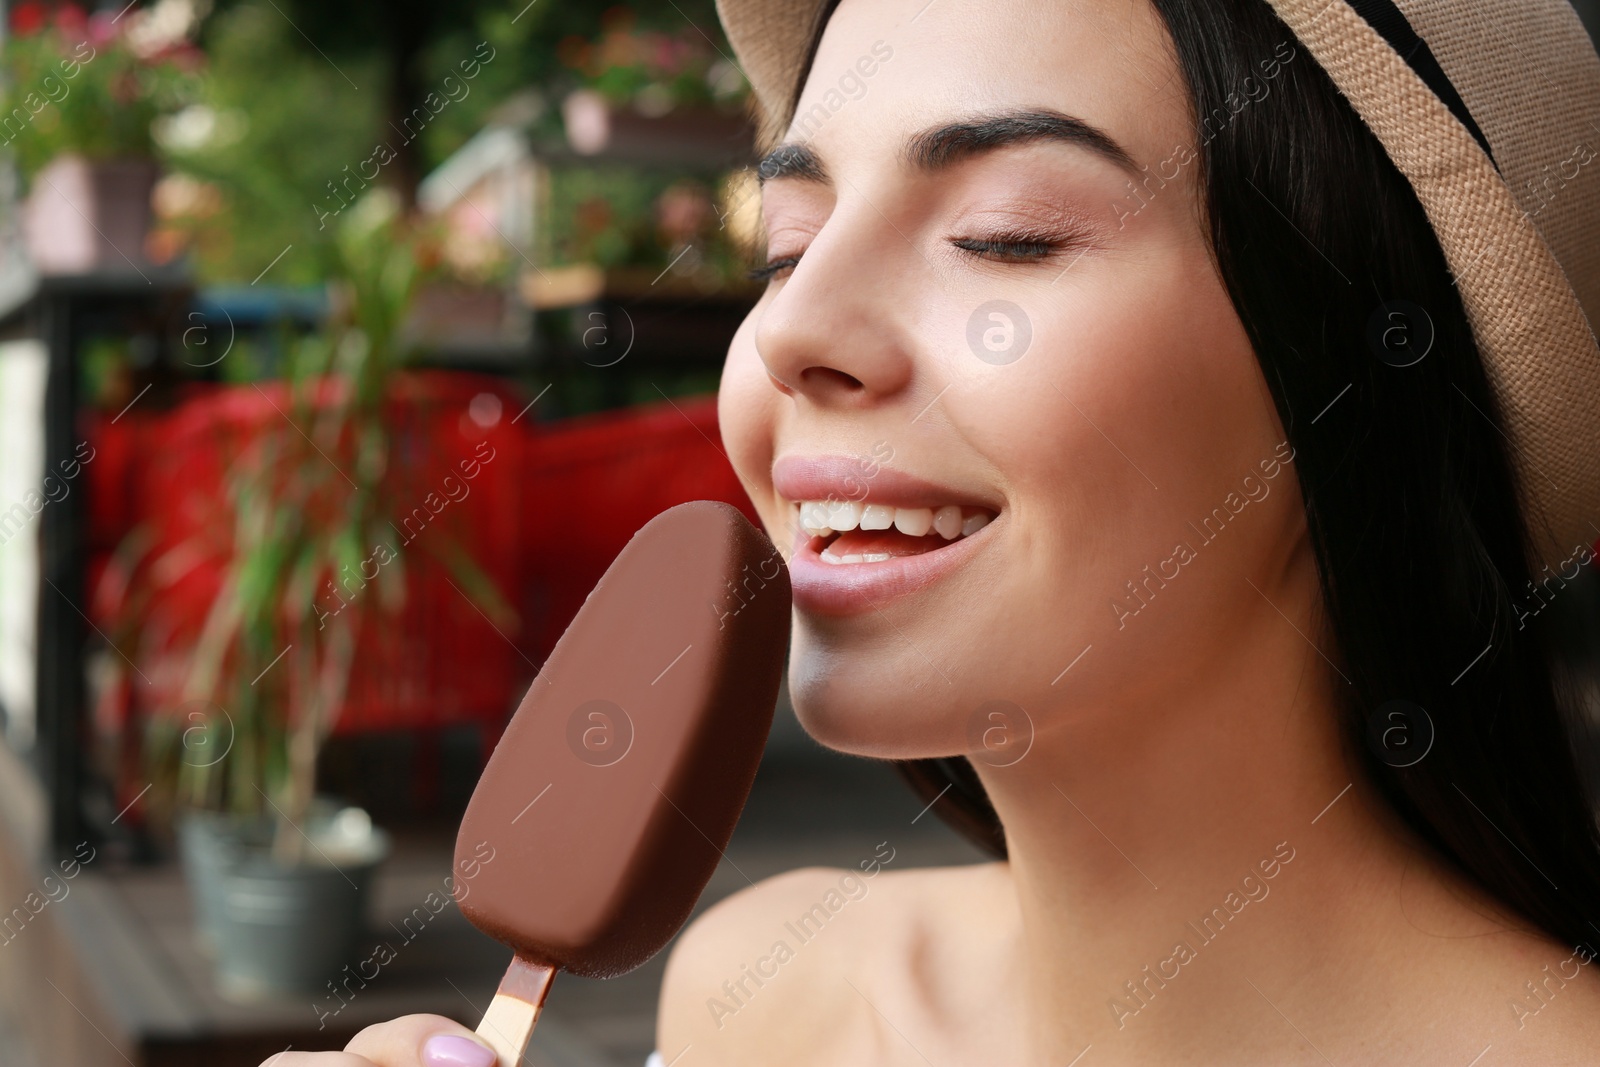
(1411, 498)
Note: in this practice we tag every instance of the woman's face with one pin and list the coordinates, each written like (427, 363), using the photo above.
(1002, 306)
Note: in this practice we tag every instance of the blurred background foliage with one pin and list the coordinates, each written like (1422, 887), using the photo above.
(295, 95)
(91, 84)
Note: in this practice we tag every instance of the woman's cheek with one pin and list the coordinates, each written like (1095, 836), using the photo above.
(745, 415)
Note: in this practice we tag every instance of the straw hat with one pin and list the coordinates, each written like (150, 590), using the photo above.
(1491, 108)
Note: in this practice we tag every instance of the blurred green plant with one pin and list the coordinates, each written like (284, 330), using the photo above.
(89, 85)
(271, 127)
(305, 501)
(398, 51)
(278, 125)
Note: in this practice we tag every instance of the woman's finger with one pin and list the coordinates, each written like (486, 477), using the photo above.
(420, 1041)
(315, 1059)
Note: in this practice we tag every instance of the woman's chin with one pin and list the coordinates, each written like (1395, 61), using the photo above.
(888, 712)
(877, 731)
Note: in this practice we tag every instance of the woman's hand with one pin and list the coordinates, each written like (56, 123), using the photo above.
(410, 1041)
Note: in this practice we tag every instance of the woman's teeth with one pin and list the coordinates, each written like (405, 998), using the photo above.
(823, 518)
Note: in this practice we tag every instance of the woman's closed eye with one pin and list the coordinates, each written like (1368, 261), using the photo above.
(999, 248)
(1010, 247)
(772, 267)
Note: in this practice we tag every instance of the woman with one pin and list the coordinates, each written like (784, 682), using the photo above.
(1224, 486)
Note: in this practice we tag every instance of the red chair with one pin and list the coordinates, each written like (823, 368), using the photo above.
(539, 509)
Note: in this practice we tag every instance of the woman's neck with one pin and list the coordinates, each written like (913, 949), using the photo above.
(1180, 850)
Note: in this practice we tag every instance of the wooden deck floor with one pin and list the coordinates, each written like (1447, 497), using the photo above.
(149, 990)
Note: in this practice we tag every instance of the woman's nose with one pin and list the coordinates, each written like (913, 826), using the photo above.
(835, 332)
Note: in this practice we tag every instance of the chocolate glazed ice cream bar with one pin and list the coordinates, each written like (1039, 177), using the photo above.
(619, 780)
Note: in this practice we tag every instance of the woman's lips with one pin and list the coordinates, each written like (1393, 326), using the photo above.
(839, 589)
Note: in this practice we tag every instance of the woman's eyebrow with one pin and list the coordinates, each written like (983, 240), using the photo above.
(941, 146)
(791, 160)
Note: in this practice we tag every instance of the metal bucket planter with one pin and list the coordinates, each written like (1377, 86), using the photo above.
(288, 929)
(209, 843)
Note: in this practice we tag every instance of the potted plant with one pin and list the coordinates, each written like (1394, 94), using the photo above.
(77, 108)
(285, 880)
(279, 876)
(655, 98)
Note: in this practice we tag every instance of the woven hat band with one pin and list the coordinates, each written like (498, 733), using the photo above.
(1390, 21)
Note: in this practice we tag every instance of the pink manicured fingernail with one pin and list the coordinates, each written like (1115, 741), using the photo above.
(449, 1050)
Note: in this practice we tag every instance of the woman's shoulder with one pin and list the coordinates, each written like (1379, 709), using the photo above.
(1541, 996)
(1453, 953)
(766, 973)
